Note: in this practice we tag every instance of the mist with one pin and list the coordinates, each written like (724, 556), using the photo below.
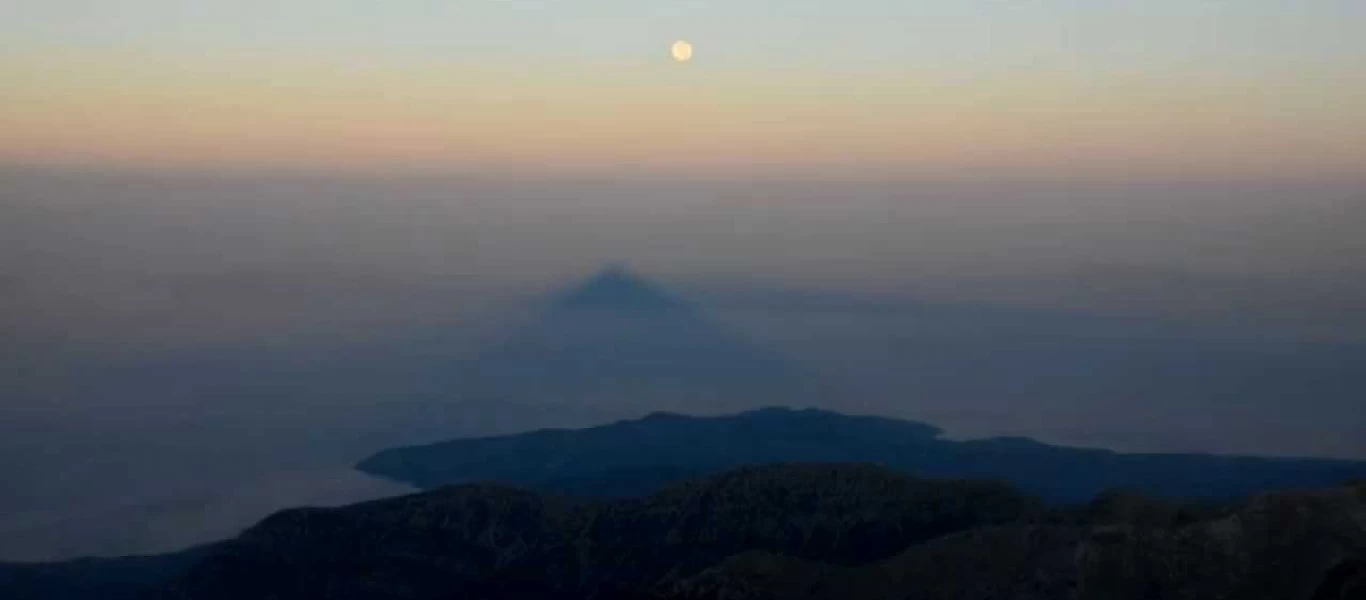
(188, 352)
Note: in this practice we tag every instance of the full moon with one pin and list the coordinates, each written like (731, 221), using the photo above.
(682, 51)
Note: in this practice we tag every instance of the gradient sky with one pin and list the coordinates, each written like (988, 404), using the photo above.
(1264, 87)
(208, 207)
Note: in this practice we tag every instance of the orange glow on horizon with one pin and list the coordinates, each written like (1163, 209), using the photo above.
(145, 113)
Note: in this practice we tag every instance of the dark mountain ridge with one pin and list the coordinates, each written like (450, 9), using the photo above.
(638, 456)
(783, 532)
(483, 541)
(812, 531)
(121, 578)
(1300, 545)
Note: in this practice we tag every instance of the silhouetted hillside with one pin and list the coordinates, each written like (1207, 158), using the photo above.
(1297, 545)
(637, 457)
(124, 578)
(786, 532)
(479, 541)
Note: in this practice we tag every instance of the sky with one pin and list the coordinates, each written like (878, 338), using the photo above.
(1059, 88)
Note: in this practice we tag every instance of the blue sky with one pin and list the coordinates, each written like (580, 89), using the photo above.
(1243, 34)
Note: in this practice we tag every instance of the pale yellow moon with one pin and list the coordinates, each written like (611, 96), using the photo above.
(682, 51)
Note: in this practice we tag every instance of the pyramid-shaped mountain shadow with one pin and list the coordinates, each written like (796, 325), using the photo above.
(617, 342)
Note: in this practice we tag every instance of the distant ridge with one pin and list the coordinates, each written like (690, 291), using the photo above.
(639, 456)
